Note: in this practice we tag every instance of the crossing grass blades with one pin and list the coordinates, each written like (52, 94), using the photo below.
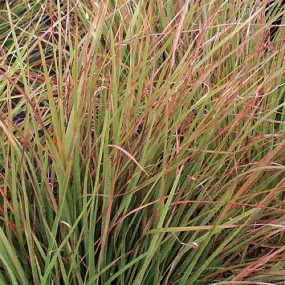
(142, 142)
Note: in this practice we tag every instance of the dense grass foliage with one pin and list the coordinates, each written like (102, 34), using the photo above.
(142, 142)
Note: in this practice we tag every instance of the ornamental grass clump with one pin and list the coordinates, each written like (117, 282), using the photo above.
(142, 142)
